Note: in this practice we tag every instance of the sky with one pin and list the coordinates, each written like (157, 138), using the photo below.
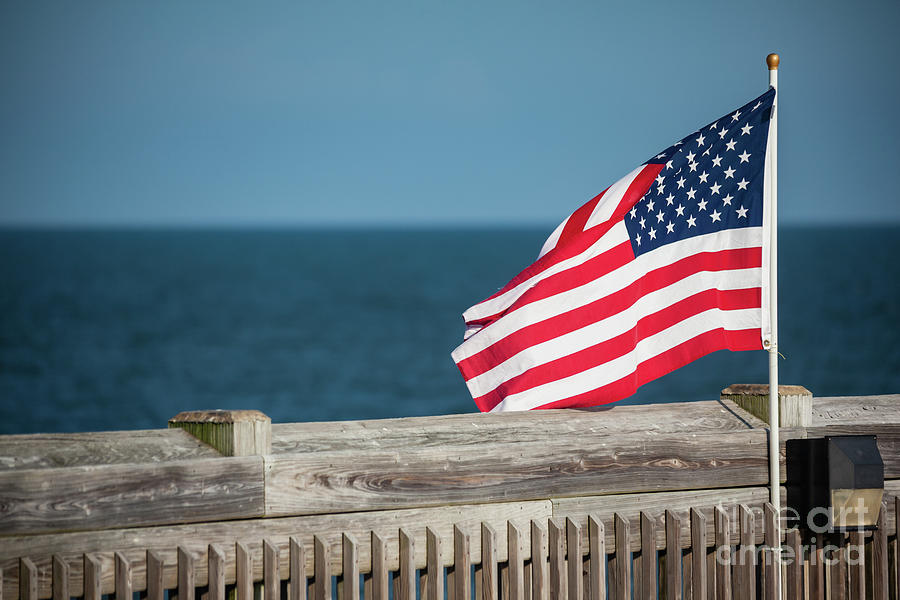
(425, 113)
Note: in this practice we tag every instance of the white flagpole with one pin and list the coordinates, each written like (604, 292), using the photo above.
(774, 417)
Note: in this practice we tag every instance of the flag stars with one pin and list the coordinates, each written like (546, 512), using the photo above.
(706, 152)
(660, 188)
(716, 216)
(730, 145)
(638, 239)
(701, 140)
(650, 206)
(659, 156)
(722, 133)
(692, 222)
(704, 176)
(741, 213)
(736, 115)
(701, 205)
(742, 184)
(745, 156)
(717, 161)
(755, 106)
(691, 193)
(669, 227)
(693, 166)
(633, 212)
(660, 179)
(668, 165)
(714, 188)
(729, 173)
(670, 199)
(660, 216)
(745, 130)
(680, 210)
(713, 126)
(643, 223)
(727, 200)
(691, 156)
(680, 182)
(652, 233)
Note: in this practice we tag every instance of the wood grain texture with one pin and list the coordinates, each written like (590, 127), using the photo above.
(350, 571)
(655, 504)
(47, 451)
(649, 556)
(723, 553)
(186, 576)
(793, 582)
(271, 578)
(856, 410)
(216, 566)
(489, 577)
(597, 549)
(557, 467)
(474, 429)
(93, 578)
(540, 568)
(107, 496)
(380, 574)
(154, 585)
(516, 560)
(123, 578)
(574, 553)
(407, 564)
(700, 584)
(674, 581)
(556, 533)
(623, 558)
(297, 557)
(134, 542)
(244, 572)
(60, 578)
(434, 565)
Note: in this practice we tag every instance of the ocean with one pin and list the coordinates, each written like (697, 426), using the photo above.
(123, 329)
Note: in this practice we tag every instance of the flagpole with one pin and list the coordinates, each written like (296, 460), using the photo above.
(772, 61)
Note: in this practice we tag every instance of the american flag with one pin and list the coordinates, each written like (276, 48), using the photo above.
(665, 266)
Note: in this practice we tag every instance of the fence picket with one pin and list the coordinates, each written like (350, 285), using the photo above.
(93, 578)
(723, 554)
(673, 556)
(623, 558)
(488, 563)
(123, 577)
(794, 573)
(216, 570)
(597, 547)
(297, 558)
(880, 556)
(539, 568)
(574, 554)
(322, 569)
(558, 580)
(60, 574)
(699, 590)
(435, 565)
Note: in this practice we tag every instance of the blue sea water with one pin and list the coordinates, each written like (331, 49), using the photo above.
(122, 329)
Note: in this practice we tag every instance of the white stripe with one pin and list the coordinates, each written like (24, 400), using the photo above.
(620, 367)
(611, 199)
(614, 325)
(550, 244)
(615, 236)
(601, 287)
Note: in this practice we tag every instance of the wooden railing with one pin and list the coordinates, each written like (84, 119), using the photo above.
(645, 502)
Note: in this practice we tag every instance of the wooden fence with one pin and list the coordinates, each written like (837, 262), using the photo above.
(634, 502)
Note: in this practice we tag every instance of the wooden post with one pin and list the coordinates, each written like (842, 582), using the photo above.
(794, 401)
(231, 432)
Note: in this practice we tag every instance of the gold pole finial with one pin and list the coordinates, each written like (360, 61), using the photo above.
(772, 60)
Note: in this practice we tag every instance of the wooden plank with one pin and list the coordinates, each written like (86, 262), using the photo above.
(60, 576)
(434, 565)
(123, 578)
(321, 558)
(107, 496)
(623, 558)
(461, 564)
(649, 557)
(597, 549)
(699, 587)
(407, 564)
(888, 441)
(350, 567)
(769, 583)
(93, 578)
(574, 553)
(489, 581)
(745, 559)
(631, 506)
(271, 580)
(673, 556)
(186, 580)
(329, 482)
(515, 540)
(557, 542)
(540, 569)
(473, 429)
(839, 572)
(856, 410)
(155, 589)
(243, 565)
(793, 582)
(216, 565)
(856, 562)
(28, 580)
(297, 556)
(381, 577)
(815, 569)
(723, 553)
(55, 450)
(134, 542)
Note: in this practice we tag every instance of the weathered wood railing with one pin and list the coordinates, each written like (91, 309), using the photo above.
(655, 501)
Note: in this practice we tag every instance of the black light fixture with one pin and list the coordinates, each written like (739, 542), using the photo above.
(835, 483)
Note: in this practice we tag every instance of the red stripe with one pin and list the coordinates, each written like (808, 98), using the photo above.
(656, 367)
(624, 343)
(605, 307)
(577, 220)
(580, 243)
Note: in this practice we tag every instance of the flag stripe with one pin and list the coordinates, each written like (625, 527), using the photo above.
(626, 341)
(565, 335)
(659, 365)
(646, 348)
(622, 195)
(618, 279)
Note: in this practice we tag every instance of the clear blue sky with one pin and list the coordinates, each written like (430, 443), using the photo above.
(424, 112)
